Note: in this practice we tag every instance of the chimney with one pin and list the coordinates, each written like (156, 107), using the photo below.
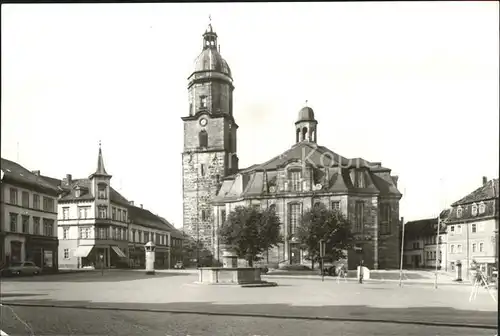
(131, 202)
(36, 172)
(69, 178)
(141, 207)
(485, 180)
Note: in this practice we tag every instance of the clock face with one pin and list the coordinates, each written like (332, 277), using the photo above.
(203, 122)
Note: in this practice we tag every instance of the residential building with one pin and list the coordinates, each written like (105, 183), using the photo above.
(420, 239)
(290, 183)
(473, 227)
(28, 229)
(144, 226)
(98, 227)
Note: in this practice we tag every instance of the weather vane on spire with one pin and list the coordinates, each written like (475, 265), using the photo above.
(306, 102)
(99, 144)
(210, 18)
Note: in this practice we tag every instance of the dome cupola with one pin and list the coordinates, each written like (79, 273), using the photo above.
(306, 125)
(210, 58)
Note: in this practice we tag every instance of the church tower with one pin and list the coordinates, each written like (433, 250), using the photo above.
(209, 142)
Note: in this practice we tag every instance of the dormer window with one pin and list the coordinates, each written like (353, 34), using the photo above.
(459, 212)
(78, 192)
(358, 179)
(482, 208)
(474, 209)
(102, 191)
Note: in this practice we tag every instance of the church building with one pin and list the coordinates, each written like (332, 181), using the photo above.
(301, 177)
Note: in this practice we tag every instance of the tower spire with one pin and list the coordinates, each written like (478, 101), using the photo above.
(100, 163)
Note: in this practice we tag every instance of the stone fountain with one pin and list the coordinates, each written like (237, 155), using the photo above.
(231, 274)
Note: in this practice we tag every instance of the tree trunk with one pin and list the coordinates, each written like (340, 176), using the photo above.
(250, 262)
(312, 264)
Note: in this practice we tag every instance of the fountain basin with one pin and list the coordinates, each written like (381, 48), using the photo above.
(237, 276)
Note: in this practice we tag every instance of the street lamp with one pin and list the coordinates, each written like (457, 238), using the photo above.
(101, 256)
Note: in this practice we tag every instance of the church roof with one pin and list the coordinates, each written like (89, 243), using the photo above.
(330, 169)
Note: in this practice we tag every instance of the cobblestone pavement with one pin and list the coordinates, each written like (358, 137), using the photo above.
(171, 291)
(57, 321)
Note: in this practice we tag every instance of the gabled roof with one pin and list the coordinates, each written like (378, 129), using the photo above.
(84, 184)
(485, 192)
(145, 217)
(423, 228)
(14, 172)
(174, 233)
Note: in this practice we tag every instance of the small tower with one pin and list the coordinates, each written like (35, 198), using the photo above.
(99, 186)
(306, 126)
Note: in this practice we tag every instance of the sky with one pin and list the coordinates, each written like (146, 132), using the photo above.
(414, 85)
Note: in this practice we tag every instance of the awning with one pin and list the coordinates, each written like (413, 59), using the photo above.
(118, 251)
(83, 251)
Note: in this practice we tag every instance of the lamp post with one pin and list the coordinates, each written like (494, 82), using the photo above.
(402, 251)
(437, 251)
(101, 256)
(322, 256)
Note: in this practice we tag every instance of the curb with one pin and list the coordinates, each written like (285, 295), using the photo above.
(329, 278)
(274, 316)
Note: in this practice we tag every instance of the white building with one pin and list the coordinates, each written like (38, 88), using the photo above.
(28, 228)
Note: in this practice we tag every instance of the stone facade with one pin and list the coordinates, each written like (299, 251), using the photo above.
(209, 141)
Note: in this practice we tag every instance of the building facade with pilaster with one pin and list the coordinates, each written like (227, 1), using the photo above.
(291, 182)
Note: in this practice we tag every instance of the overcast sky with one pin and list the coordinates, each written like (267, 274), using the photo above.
(413, 85)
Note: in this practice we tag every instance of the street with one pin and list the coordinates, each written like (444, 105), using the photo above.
(128, 302)
(57, 321)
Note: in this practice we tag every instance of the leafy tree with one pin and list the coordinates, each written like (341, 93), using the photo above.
(332, 226)
(250, 232)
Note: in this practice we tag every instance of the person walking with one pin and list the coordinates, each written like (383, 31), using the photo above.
(342, 273)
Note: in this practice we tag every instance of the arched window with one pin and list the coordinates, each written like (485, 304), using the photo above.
(102, 191)
(203, 137)
(304, 132)
(298, 135)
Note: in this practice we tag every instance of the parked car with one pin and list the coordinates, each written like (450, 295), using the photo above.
(179, 265)
(22, 268)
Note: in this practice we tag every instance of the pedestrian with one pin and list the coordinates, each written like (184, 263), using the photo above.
(342, 273)
(361, 272)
